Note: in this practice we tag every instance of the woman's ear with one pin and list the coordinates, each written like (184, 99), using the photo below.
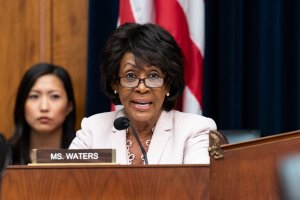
(167, 91)
(115, 87)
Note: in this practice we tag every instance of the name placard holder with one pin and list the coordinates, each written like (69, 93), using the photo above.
(74, 156)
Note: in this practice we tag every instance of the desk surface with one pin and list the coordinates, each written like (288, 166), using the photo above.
(106, 182)
(249, 170)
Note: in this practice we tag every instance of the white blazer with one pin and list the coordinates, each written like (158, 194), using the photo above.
(178, 138)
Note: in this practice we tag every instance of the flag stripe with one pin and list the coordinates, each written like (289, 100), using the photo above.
(184, 19)
(125, 12)
(168, 12)
(194, 12)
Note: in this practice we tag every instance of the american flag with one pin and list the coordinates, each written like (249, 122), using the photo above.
(184, 19)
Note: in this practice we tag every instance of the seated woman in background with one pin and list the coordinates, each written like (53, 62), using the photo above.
(142, 69)
(44, 113)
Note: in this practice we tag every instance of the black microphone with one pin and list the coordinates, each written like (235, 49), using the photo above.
(122, 123)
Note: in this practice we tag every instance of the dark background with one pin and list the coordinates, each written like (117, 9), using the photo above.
(251, 66)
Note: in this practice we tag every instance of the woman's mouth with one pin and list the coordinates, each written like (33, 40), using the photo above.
(142, 105)
(43, 119)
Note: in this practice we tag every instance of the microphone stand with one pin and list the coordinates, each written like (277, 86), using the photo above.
(140, 144)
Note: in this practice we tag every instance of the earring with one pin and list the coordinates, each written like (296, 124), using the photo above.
(168, 94)
(116, 92)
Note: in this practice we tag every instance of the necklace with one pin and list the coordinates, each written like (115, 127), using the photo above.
(131, 156)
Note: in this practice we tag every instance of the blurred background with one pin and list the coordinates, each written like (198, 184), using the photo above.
(251, 58)
(251, 62)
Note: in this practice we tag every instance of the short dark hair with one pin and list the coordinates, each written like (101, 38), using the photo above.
(150, 44)
(20, 140)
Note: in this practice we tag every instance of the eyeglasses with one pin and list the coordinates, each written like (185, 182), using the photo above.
(132, 82)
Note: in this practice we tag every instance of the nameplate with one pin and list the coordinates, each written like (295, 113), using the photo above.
(74, 156)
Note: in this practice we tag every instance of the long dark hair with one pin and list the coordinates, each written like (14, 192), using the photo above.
(20, 140)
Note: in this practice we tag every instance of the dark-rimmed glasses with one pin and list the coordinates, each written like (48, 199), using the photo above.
(150, 82)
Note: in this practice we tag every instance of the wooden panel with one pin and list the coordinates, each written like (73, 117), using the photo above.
(69, 45)
(19, 46)
(249, 170)
(107, 182)
(37, 31)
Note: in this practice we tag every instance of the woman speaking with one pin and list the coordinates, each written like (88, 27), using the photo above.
(142, 70)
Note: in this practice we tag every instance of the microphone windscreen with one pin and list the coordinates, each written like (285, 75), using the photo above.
(121, 123)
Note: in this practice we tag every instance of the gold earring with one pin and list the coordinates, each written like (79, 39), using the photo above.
(168, 94)
(116, 92)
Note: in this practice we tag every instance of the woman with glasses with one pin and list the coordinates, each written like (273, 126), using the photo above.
(142, 70)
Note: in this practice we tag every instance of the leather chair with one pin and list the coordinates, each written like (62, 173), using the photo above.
(216, 139)
(220, 137)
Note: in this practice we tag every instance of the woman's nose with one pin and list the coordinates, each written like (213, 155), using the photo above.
(142, 86)
(44, 105)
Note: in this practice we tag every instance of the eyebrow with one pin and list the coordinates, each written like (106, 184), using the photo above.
(50, 91)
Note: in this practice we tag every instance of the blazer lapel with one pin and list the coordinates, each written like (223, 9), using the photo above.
(160, 138)
(118, 142)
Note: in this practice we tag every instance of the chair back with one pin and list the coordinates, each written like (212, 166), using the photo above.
(216, 139)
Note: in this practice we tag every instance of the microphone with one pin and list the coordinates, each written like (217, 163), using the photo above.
(122, 123)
